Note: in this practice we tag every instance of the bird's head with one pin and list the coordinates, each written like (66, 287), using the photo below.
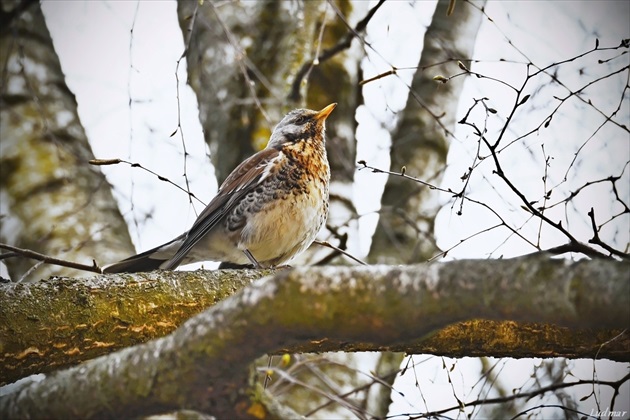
(300, 125)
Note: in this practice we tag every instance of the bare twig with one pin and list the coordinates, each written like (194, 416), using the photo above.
(378, 76)
(500, 172)
(582, 414)
(539, 391)
(402, 174)
(375, 380)
(104, 162)
(339, 250)
(94, 268)
(454, 194)
(179, 128)
(597, 241)
(576, 247)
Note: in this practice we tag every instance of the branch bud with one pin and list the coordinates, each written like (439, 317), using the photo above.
(440, 78)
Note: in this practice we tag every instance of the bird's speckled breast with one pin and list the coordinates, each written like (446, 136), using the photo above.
(281, 217)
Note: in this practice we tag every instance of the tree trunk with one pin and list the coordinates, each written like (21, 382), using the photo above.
(53, 201)
(405, 232)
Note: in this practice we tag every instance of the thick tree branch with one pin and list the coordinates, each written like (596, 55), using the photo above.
(59, 322)
(204, 364)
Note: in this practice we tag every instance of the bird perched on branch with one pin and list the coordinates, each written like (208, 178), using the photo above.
(268, 210)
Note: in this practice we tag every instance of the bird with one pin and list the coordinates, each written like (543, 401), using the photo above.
(268, 210)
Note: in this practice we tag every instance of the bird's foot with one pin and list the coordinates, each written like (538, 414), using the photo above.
(252, 259)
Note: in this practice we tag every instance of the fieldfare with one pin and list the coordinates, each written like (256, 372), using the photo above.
(268, 210)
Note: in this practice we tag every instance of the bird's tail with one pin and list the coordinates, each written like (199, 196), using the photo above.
(135, 264)
(147, 261)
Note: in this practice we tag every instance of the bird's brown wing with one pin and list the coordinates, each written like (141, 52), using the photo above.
(242, 180)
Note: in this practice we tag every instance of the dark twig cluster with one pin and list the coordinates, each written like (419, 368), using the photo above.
(495, 145)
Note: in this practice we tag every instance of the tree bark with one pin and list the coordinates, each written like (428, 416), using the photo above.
(420, 142)
(53, 201)
(526, 307)
(63, 321)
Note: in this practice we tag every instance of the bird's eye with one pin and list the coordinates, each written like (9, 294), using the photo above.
(300, 120)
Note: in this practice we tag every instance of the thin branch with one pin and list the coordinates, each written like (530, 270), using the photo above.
(318, 46)
(597, 241)
(104, 162)
(476, 159)
(576, 247)
(528, 395)
(561, 407)
(94, 268)
(402, 174)
(343, 402)
(339, 250)
(375, 380)
(179, 107)
(378, 76)
(499, 171)
(611, 179)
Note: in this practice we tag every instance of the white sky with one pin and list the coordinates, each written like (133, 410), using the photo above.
(106, 68)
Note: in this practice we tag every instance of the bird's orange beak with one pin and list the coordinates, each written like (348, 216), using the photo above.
(324, 113)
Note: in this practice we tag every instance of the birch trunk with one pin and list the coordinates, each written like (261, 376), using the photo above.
(405, 232)
(53, 201)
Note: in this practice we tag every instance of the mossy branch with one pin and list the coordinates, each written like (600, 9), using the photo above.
(534, 307)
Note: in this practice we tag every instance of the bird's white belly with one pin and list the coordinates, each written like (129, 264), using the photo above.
(284, 228)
